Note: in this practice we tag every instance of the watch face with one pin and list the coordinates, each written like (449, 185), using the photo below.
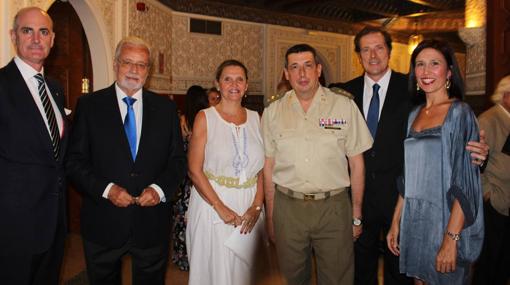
(356, 222)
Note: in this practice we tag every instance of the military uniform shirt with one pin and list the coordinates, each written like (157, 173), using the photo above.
(309, 149)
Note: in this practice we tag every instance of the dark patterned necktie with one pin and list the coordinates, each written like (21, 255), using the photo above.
(373, 111)
(50, 115)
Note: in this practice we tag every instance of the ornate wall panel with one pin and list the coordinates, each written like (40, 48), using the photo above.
(334, 51)
(107, 8)
(196, 56)
(154, 25)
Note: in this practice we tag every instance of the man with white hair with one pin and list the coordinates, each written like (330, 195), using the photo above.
(126, 157)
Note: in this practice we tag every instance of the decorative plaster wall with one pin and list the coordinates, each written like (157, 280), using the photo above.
(333, 50)
(154, 25)
(196, 56)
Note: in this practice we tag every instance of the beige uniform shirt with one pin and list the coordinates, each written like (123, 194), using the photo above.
(310, 149)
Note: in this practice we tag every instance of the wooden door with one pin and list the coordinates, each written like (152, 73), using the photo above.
(69, 62)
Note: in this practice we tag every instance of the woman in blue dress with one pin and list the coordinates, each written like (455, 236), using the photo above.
(439, 214)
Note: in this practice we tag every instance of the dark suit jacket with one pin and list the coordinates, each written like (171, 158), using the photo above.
(99, 154)
(32, 185)
(384, 161)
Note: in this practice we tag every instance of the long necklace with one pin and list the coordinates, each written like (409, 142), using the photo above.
(241, 158)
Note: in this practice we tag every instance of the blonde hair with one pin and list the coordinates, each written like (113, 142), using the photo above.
(503, 87)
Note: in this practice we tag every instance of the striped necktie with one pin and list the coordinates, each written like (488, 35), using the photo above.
(50, 115)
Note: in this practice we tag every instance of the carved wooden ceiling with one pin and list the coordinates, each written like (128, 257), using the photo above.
(432, 18)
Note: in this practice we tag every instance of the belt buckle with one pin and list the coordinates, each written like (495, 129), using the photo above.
(308, 197)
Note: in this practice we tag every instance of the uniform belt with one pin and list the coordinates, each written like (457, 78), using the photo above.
(309, 196)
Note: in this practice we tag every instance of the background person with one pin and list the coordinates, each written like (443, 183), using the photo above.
(493, 266)
(439, 212)
(195, 100)
(214, 97)
(225, 162)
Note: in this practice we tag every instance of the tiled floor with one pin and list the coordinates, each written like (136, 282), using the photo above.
(267, 269)
(74, 264)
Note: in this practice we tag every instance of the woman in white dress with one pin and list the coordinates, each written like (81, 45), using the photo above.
(225, 162)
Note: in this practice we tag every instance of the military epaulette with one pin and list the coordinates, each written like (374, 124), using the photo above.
(274, 98)
(342, 92)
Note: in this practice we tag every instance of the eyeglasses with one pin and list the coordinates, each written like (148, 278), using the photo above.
(129, 64)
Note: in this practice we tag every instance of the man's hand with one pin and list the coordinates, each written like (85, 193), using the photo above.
(356, 232)
(119, 196)
(479, 150)
(270, 229)
(148, 198)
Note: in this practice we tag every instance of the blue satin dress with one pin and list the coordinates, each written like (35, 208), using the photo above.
(437, 171)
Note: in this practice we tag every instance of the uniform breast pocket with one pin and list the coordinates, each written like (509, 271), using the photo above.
(331, 143)
(286, 146)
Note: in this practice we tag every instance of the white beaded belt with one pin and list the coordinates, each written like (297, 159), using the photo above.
(231, 182)
(309, 196)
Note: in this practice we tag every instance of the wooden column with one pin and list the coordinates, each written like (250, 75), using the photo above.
(498, 43)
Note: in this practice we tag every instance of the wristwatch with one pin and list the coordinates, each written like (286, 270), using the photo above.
(453, 236)
(357, 222)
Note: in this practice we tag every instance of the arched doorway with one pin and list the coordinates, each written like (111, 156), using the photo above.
(70, 63)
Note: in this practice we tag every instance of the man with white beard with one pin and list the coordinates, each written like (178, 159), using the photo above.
(126, 158)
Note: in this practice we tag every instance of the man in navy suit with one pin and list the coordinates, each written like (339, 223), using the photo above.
(126, 157)
(32, 146)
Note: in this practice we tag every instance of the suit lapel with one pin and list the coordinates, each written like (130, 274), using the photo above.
(390, 102)
(358, 94)
(114, 125)
(146, 123)
(26, 105)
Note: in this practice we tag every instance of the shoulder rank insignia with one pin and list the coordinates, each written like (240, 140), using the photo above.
(275, 97)
(342, 92)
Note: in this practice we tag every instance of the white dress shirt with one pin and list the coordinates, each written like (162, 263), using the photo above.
(28, 73)
(138, 109)
(368, 91)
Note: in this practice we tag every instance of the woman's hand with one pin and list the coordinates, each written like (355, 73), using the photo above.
(446, 258)
(228, 216)
(250, 218)
(392, 239)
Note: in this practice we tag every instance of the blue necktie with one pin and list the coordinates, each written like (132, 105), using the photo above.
(130, 125)
(373, 111)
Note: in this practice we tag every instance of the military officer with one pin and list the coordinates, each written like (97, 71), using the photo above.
(313, 137)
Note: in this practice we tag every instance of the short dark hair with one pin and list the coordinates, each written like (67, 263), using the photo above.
(195, 100)
(371, 30)
(298, 49)
(456, 89)
(230, 62)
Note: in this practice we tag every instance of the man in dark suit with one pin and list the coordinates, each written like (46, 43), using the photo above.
(384, 161)
(126, 157)
(32, 146)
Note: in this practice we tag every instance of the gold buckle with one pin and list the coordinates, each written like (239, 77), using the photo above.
(308, 197)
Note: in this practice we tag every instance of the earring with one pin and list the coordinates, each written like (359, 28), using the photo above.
(417, 87)
(448, 83)
(245, 95)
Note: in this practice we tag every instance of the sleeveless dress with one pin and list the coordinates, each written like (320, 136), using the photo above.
(234, 155)
(437, 171)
